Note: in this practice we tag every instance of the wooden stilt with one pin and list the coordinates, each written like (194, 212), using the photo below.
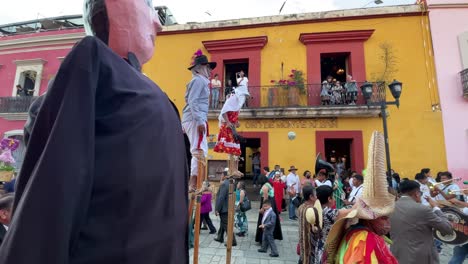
(200, 177)
(232, 198)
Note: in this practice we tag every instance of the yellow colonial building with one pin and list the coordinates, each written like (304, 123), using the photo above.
(374, 44)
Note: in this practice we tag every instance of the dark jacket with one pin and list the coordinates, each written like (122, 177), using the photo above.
(105, 169)
(222, 198)
(2, 233)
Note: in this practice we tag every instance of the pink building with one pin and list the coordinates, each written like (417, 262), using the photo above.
(449, 30)
(30, 55)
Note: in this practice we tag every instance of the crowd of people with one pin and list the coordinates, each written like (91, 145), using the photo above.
(335, 93)
(220, 93)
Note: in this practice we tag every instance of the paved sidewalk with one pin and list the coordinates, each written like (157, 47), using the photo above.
(246, 250)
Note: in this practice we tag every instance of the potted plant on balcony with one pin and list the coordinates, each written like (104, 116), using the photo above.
(295, 85)
(7, 146)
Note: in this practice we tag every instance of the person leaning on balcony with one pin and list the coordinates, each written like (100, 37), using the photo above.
(326, 90)
(351, 90)
(243, 84)
(20, 91)
(215, 89)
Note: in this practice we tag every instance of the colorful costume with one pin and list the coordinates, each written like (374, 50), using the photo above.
(360, 245)
(350, 239)
(278, 187)
(226, 141)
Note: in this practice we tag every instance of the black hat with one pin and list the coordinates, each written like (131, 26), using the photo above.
(202, 60)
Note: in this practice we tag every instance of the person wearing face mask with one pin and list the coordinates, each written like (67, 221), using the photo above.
(105, 146)
(359, 237)
(412, 225)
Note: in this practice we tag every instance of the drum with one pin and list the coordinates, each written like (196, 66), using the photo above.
(459, 222)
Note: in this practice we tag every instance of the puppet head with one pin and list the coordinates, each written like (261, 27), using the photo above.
(128, 27)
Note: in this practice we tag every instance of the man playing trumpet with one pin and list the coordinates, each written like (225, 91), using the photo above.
(445, 189)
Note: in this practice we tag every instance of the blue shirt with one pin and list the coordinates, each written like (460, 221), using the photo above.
(196, 100)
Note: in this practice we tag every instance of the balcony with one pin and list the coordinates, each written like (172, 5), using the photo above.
(464, 81)
(15, 108)
(283, 102)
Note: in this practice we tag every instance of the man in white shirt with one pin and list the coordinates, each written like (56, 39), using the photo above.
(427, 173)
(6, 204)
(447, 190)
(358, 180)
(322, 179)
(294, 189)
(242, 83)
(422, 180)
(215, 88)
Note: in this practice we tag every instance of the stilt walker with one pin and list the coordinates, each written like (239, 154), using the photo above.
(197, 199)
(195, 126)
(228, 142)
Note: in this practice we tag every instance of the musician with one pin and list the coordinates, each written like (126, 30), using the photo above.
(448, 189)
(322, 179)
(358, 181)
(412, 225)
(427, 172)
(422, 179)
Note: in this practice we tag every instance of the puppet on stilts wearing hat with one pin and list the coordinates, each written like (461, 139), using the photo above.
(195, 126)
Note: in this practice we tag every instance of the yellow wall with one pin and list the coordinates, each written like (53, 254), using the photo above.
(416, 135)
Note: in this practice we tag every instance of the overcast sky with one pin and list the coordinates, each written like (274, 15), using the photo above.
(186, 10)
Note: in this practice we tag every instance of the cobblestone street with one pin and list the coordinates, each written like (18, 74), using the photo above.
(246, 250)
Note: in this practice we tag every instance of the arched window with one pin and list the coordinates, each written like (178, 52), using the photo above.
(28, 76)
(27, 82)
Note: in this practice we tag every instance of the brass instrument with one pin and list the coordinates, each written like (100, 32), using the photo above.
(432, 186)
(457, 191)
(330, 169)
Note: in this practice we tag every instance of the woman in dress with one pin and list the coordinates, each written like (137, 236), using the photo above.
(278, 189)
(267, 193)
(228, 121)
(241, 223)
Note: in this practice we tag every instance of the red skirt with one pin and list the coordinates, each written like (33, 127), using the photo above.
(226, 142)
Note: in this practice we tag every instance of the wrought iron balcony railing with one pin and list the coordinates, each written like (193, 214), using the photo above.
(19, 104)
(464, 82)
(312, 95)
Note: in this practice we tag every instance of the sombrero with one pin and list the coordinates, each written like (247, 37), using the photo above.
(314, 216)
(375, 201)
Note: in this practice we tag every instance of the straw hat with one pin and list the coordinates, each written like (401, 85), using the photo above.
(314, 216)
(292, 168)
(375, 201)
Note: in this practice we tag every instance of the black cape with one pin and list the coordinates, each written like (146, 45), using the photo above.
(104, 178)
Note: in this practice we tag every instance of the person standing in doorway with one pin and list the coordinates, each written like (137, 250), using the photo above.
(294, 189)
(256, 167)
(215, 89)
(242, 83)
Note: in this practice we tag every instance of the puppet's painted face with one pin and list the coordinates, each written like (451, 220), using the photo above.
(133, 26)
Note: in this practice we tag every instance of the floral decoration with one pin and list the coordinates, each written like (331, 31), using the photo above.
(295, 79)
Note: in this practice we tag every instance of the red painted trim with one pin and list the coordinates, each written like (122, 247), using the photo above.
(354, 35)
(235, 44)
(285, 23)
(357, 150)
(351, 42)
(240, 49)
(263, 145)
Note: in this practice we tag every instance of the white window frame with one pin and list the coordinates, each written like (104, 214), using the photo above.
(36, 65)
(463, 44)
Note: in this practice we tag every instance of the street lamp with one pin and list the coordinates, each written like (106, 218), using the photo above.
(395, 87)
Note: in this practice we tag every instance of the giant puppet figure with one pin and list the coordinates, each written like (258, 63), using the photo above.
(104, 178)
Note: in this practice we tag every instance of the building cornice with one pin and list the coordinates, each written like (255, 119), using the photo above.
(235, 44)
(304, 112)
(37, 41)
(353, 35)
(305, 18)
(30, 62)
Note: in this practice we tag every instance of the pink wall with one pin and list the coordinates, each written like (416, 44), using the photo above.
(48, 52)
(446, 24)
